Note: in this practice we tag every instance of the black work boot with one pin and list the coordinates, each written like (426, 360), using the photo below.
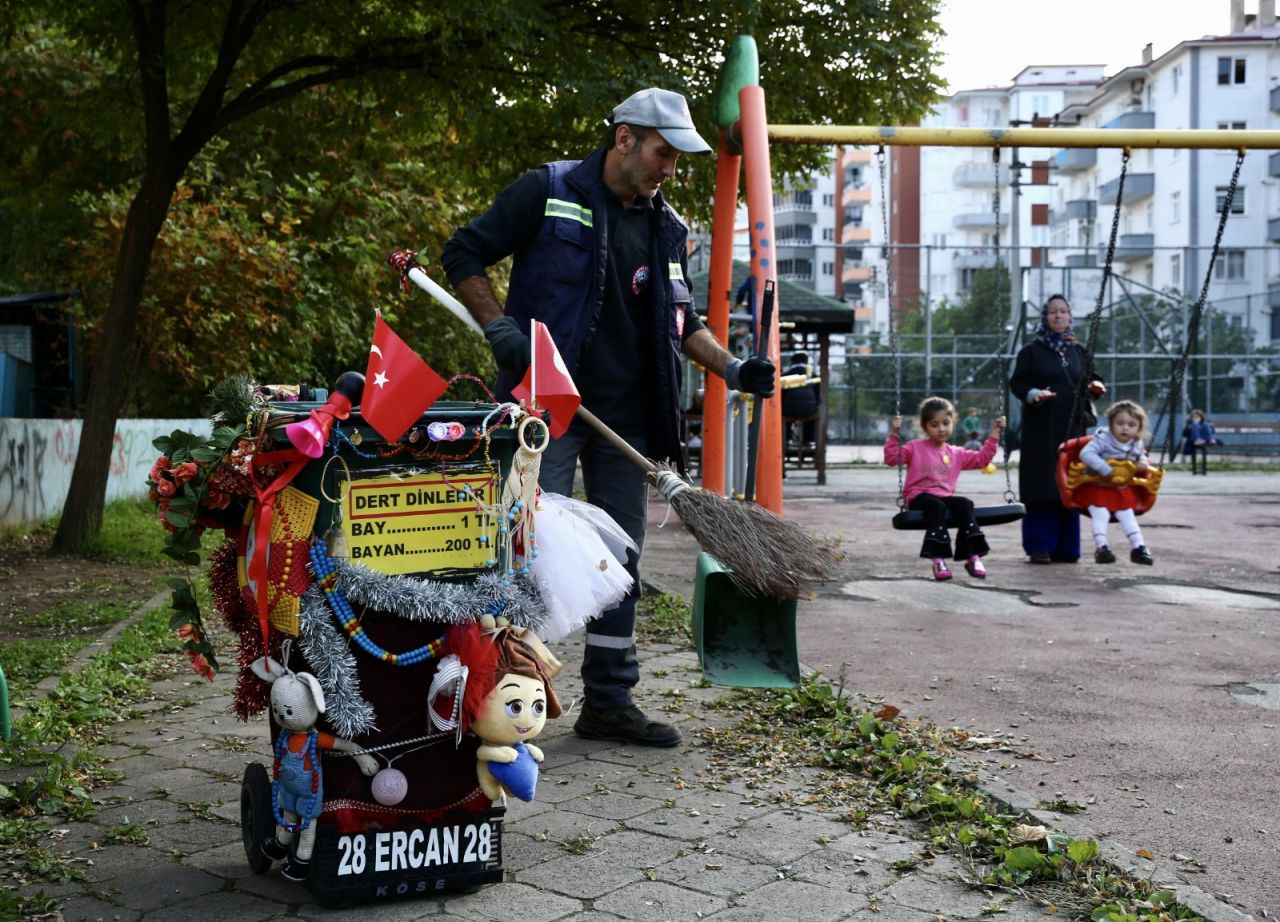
(1140, 554)
(1104, 555)
(625, 725)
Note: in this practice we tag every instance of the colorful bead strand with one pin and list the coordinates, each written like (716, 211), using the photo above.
(326, 573)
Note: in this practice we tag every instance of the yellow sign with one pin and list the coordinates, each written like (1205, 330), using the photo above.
(419, 523)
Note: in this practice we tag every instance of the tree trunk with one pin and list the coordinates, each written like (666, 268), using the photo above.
(113, 360)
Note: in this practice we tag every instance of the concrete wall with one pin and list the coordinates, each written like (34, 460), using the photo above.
(38, 455)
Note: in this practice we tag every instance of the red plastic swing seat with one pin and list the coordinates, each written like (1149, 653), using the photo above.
(1073, 477)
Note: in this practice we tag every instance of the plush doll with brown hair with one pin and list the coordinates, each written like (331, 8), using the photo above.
(506, 703)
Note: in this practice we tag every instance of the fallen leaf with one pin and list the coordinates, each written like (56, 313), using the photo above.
(888, 712)
(1143, 853)
(1024, 833)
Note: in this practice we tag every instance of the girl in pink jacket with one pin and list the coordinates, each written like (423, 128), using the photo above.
(933, 467)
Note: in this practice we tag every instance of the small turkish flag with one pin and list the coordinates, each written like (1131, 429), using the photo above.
(398, 384)
(547, 382)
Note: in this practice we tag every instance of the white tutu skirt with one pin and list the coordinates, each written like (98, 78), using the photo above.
(581, 564)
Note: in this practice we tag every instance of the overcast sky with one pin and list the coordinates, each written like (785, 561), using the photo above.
(989, 41)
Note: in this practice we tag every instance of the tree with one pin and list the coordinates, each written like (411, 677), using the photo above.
(504, 82)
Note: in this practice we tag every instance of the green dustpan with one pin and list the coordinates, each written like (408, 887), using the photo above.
(742, 641)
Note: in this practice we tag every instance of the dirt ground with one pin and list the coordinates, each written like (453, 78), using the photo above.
(33, 581)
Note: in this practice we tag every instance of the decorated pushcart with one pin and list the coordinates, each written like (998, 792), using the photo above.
(353, 571)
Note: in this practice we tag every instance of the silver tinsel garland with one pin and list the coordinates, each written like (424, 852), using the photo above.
(334, 664)
(331, 658)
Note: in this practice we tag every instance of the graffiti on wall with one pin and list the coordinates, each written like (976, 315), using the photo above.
(37, 457)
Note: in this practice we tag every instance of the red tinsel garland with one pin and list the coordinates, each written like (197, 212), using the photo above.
(251, 694)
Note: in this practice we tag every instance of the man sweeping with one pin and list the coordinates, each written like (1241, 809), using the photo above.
(600, 258)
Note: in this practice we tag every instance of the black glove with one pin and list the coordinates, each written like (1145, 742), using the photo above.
(754, 376)
(510, 347)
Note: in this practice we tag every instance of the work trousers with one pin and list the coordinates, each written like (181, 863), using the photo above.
(617, 485)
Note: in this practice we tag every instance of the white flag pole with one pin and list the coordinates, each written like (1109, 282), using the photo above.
(425, 282)
(533, 363)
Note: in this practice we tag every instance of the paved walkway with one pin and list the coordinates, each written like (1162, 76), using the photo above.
(614, 833)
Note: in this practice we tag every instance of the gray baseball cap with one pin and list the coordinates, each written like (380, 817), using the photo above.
(665, 111)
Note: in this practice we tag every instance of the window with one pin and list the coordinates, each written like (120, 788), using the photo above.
(1177, 79)
(1231, 126)
(828, 199)
(1175, 270)
(795, 268)
(1230, 70)
(828, 268)
(828, 233)
(1237, 200)
(1230, 266)
(1151, 216)
(1175, 207)
(1275, 326)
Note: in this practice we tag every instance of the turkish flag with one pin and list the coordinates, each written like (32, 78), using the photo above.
(547, 382)
(398, 385)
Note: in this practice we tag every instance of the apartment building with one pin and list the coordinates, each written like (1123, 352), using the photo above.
(1172, 198)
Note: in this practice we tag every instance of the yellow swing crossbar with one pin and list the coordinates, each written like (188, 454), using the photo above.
(1135, 138)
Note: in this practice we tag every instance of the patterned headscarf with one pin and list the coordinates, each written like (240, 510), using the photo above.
(1058, 342)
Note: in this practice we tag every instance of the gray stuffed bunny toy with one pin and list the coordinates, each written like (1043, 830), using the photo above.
(297, 793)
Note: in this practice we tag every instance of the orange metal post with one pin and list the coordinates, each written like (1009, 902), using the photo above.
(755, 149)
(728, 170)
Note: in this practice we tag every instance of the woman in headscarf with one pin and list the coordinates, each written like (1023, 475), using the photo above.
(1045, 377)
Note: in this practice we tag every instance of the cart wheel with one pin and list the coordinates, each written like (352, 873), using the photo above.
(256, 818)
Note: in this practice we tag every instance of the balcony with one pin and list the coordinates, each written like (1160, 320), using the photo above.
(979, 174)
(858, 195)
(862, 313)
(795, 213)
(979, 219)
(1137, 186)
(856, 156)
(1133, 120)
(1273, 295)
(975, 260)
(1275, 99)
(856, 235)
(1131, 247)
(1080, 261)
(1273, 230)
(1075, 159)
(1081, 209)
(794, 246)
(856, 274)
(1273, 162)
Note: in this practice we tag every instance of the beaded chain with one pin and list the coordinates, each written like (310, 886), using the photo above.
(326, 572)
(307, 806)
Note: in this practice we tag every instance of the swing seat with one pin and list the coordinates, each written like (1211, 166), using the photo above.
(1072, 473)
(913, 520)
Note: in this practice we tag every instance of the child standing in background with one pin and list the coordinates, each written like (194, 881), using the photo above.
(933, 467)
(1119, 439)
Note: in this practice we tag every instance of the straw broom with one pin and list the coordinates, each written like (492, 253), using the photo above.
(765, 554)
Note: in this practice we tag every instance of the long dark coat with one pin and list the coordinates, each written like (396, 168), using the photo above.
(1046, 425)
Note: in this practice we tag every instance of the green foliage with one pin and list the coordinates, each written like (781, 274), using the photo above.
(128, 535)
(293, 189)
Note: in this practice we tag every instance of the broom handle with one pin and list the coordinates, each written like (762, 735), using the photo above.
(753, 435)
(423, 281)
(616, 440)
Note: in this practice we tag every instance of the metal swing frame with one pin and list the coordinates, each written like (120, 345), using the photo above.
(1066, 472)
(911, 519)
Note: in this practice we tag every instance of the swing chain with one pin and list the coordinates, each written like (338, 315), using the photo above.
(893, 325)
(1009, 495)
(1193, 322)
(1075, 421)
